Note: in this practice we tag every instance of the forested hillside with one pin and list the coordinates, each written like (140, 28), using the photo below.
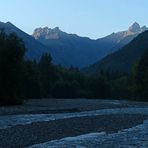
(22, 80)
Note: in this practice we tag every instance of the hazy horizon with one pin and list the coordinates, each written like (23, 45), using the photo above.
(93, 19)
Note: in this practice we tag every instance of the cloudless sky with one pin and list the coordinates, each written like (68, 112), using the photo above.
(92, 18)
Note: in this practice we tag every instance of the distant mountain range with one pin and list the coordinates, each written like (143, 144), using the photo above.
(124, 59)
(71, 49)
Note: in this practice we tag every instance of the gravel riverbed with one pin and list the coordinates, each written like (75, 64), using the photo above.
(70, 123)
(25, 135)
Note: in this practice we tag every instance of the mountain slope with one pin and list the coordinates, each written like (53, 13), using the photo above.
(123, 59)
(34, 48)
(70, 49)
(118, 40)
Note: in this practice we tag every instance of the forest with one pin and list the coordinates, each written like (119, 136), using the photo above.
(22, 79)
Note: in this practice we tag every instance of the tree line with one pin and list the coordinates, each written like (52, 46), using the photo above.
(22, 79)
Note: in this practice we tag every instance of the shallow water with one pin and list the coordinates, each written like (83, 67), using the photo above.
(13, 120)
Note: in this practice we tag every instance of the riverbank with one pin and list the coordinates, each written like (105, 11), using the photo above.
(48, 106)
(47, 120)
(39, 132)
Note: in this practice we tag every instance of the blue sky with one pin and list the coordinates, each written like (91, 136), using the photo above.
(92, 18)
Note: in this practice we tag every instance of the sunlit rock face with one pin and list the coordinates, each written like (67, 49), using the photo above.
(46, 33)
(132, 32)
(135, 28)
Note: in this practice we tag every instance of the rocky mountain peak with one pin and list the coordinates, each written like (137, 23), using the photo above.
(135, 27)
(144, 28)
(47, 33)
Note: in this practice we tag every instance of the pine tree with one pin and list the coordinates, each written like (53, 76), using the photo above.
(12, 52)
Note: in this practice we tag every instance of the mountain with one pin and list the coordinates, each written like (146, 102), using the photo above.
(34, 48)
(69, 49)
(118, 40)
(73, 50)
(123, 59)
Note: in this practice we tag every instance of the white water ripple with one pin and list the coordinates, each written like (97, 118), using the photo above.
(13, 120)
